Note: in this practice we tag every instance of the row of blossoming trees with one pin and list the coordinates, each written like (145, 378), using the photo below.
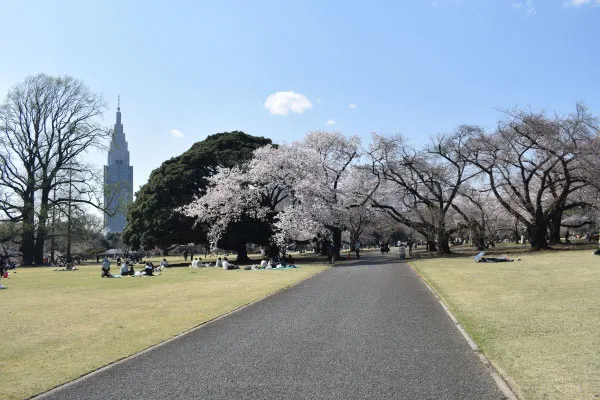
(532, 175)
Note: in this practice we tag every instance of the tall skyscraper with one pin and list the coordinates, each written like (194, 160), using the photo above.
(118, 180)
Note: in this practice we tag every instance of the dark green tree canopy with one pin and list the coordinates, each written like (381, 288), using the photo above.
(152, 221)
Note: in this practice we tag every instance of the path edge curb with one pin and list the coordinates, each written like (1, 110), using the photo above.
(509, 392)
(88, 375)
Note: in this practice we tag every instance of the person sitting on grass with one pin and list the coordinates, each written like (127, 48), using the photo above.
(164, 263)
(71, 267)
(219, 263)
(228, 265)
(148, 269)
(263, 263)
(124, 270)
(131, 270)
(106, 269)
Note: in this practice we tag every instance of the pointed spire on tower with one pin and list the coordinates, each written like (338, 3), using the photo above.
(118, 125)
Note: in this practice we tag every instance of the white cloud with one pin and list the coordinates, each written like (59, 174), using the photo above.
(281, 103)
(330, 122)
(524, 6)
(578, 3)
(352, 105)
(176, 133)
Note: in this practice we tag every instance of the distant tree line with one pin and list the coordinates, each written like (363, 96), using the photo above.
(533, 175)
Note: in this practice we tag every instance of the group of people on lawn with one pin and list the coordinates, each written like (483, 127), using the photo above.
(220, 263)
(128, 270)
(149, 268)
(225, 264)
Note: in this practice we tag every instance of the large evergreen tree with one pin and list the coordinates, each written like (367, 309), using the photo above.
(152, 218)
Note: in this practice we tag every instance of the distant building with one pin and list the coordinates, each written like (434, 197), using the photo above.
(118, 180)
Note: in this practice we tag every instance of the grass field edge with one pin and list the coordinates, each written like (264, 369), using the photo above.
(88, 375)
(502, 380)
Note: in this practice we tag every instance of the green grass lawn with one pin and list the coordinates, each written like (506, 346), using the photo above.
(537, 320)
(57, 326)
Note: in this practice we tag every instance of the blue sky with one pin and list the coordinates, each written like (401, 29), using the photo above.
(199, 67)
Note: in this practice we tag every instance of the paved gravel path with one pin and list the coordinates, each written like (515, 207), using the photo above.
(356, 331)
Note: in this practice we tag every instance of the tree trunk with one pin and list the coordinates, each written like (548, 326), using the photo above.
(242, 254)
(431, 245)
(28, 239)
(336, 234)
(69, 222)
(479, 243)
(537, 234)
(272, 251)
(443, 246)
(554, 225)
(516, 231)
(42, 229)
(322, 246)
(478, 235)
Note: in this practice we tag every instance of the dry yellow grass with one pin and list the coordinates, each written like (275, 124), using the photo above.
(57, 326)
(537, 320)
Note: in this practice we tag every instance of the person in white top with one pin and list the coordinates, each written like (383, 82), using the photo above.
(263, 263)
(225, 263)
(164, 263)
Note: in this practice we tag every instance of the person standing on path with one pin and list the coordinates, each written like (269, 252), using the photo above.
(331, 253)
(357, 248)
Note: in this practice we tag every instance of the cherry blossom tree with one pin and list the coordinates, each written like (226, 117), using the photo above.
(418, 187)
(250, 194)
(294, 190)
(319, 199)
(362, 219)
(534, 164)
